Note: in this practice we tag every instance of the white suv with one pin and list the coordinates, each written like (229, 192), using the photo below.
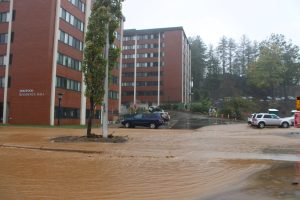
(262, 120)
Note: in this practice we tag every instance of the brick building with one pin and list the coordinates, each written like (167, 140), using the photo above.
(41, 53)
(156, 67)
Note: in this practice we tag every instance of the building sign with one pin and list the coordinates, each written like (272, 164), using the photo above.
(298, 103)
(297, 119)
(30, 93)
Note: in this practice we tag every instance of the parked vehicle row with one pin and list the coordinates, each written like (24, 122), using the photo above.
(261, 120)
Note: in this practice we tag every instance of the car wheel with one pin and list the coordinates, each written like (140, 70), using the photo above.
(285, 125)
(127, 125)
(261, 125)
(152, 125)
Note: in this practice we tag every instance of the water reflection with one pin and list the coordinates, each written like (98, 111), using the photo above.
(181, 120)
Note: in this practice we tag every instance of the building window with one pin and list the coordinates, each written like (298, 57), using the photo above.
(4, 17)
(4, 1)
(67, 113)
(3, 60)
(147, 46)
(128, 84)
(65, 83)
(11, 58)
(115, 80)
(70, 40)
(127, 93)
(128, 47)
(148, 93)
(128, 38)
(143, 64)
(3, 38)
(68, 61)
(65, 15)
(2, 82)
(12, 36)
(125, 65)
(80, 5)
(113, 95)
(14, 15)
(128, 56)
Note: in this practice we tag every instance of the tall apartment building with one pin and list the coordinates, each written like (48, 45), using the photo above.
(156, 67)
(41, 53)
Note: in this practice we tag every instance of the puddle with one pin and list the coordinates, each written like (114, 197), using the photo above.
(182, 120)
(254, 156)
(281, 181)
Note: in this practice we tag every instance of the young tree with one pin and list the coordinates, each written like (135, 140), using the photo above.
(104, 12)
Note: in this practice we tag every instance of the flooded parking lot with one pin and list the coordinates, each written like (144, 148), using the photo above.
(214, 162)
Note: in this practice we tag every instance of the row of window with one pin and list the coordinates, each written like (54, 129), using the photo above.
(67, 113)
(142, 46)
(68, 61)
(74, 113)
(4, 17)
(143, 64)
(80, 5)
(141, 83)
(142, 55)
(142, 37)
(71, 19)
(70, 40)
(3, 60)
(141, 93)
(65, 83)
(141, 74)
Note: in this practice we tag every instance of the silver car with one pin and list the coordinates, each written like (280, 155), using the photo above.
(262, 120)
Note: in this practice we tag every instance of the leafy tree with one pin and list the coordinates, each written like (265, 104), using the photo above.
(266, 73)
(289, 56)
(198, 57)
(104, 12)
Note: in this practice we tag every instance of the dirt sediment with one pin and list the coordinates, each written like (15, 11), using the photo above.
(215, 162)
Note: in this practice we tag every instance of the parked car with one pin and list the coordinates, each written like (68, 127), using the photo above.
(262, 120)
(250, 118)
(165, 115)
(152, 120)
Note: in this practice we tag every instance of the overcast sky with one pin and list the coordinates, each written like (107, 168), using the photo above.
(211, 19)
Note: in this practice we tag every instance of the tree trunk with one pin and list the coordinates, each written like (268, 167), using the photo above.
(90, 122)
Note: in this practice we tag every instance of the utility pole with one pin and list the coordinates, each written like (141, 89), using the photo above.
(105, 102)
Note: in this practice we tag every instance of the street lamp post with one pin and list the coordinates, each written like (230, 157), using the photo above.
(60, 96)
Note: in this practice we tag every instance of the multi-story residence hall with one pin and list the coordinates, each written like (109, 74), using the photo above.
(156, 67)
(41, 53)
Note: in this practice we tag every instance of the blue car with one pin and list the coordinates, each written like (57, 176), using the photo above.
(152, 120)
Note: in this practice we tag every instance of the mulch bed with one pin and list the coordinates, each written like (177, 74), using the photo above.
(94, 138)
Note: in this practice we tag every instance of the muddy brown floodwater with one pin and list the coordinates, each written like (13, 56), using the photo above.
(225, 162)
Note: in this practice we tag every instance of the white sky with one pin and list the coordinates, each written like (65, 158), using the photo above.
(211, 19)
